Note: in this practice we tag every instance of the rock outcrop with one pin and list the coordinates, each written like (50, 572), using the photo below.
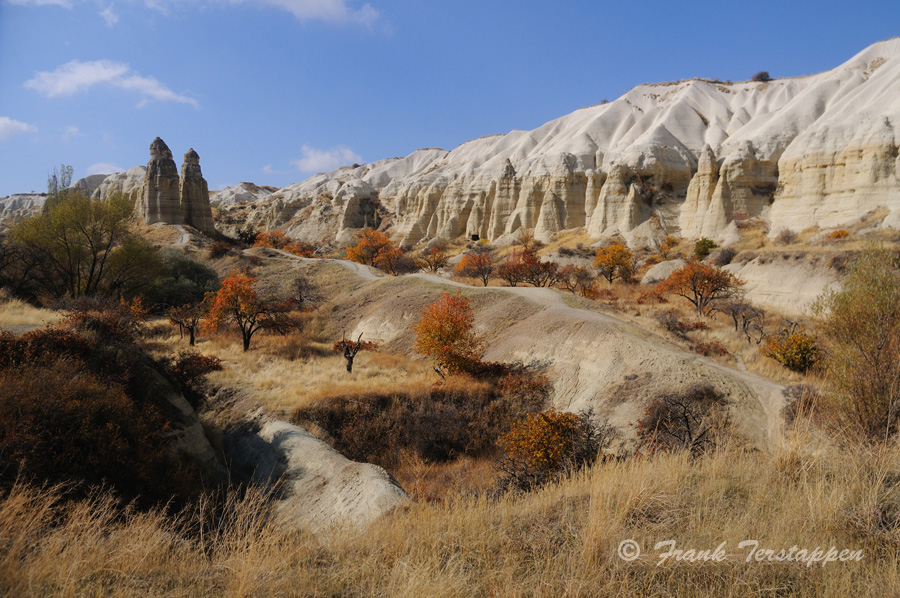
(160, 194)
(166, 197)
(130, 183)
(319, 486)
(195, 208)
(685, 158)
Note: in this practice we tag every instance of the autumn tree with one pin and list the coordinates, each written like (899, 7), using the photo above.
(860, 330)
(188, 317)
(538, 272)
(394, 260)
(237, 302)
(478, 263)
(615, 261)
(349, 348)
(702, 285)
(445, 333)
(512, 268)
(578, 280)
(433, 258)
(87, 247)
(369, 243)
(274, 239)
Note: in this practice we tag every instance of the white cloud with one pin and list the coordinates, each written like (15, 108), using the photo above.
(104, 168)
(109, 16)
(333, 11)
(268, 169)
(10, 127)
(71, 132)
(76, 76)
(63, 3)
(330, 11)
(317, 160)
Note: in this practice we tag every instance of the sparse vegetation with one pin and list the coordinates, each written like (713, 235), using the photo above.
(703, 247)
(860, 326)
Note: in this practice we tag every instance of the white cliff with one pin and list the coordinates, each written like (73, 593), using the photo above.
(673, 158)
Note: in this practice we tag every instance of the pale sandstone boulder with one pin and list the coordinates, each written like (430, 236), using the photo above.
(320, 487)
(662, 271)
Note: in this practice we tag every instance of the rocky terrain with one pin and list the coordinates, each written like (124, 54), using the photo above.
(691, 158)
(688, 158)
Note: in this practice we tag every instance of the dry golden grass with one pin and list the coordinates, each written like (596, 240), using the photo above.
(19, 316)
(560, 541)
(282, 373)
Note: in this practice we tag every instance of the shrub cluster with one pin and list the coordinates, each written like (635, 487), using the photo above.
(694, 420)
(545, 445)
(460, 417)
(793, 348)
(80, 404)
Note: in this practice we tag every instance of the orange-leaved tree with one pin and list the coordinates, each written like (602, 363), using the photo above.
(445, 334)
(237, 302)
(701, 284)
(478, 264)
(615, 261)
(434, 258)
(274, 239)
(368, 244)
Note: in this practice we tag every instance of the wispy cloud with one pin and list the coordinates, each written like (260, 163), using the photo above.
(332, 11)
(10, 127)
(71, 132)
(104, 168)
(63, 3)
(339, 12)
(109, 16)
(319, 160)
(76, 76)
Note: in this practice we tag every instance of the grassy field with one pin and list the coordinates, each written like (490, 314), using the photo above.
(560, 541)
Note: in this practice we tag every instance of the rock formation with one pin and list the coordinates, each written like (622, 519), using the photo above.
(160, 195)
(685, 158)
(164, 197)
(195, 209)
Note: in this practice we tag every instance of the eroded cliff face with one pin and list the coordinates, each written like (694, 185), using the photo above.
(684, 158)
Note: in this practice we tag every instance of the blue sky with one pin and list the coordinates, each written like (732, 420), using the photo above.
(272, 91)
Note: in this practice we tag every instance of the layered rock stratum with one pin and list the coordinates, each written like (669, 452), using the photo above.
(687, 158)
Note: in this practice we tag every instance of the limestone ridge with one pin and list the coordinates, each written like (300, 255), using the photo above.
(166, 197)
(688, 158)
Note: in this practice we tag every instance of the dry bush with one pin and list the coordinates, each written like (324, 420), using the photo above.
(793, 348)
(670, 319)
(543, 446)
(460, 417)
(219, 249)
(694, 421)
(709, 348)
(81, 405)
(837, 235)
(786, 237)
(724, 256)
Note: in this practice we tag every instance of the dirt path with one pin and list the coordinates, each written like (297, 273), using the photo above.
(641, 350)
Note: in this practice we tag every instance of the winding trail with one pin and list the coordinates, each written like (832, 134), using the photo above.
(767, 393)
